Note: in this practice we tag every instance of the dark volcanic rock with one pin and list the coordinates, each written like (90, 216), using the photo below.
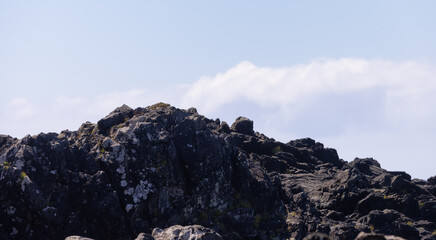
(119, 115)
(139, 171)
(243, 125)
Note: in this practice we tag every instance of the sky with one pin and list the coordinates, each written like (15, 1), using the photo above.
(358, 76)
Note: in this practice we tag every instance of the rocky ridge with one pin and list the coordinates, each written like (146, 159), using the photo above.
(139, 172)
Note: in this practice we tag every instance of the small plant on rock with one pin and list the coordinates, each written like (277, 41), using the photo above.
(6, 165)
(293, 214)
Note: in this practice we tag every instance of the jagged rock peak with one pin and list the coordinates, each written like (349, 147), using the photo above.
(161, 167)
(243, 125)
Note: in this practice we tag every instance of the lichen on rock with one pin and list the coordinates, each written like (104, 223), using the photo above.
(160, 172)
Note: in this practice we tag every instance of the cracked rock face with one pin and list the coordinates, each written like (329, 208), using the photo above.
(145, 169)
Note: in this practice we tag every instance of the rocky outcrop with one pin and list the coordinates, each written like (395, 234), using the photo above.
(375, 236)
(243, 125)
(140, 170)
(77, 238)
(195, 232)
(177, 232)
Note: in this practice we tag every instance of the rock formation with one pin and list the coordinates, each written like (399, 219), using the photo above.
(145, 173)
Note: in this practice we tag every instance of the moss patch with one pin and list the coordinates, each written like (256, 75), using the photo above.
(160, 105)
(6, 165)
(23, 175)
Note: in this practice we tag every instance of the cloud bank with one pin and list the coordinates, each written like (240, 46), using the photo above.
(363, 108)
(405, 88)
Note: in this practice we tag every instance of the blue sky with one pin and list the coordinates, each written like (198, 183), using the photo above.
(358, 76)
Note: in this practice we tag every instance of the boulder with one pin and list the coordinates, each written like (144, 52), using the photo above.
(194, 232)
(243, 125)
(317, 236)
(78, 238)
(432, 180)
(376, 236)
(143, 236)
(119, 115)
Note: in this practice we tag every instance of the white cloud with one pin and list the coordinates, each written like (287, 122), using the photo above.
(406, 84)
(19, 108)
(364, 108)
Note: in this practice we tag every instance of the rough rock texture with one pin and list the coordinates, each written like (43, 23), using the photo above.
(317, 236)
(176, 232)
(194, 232)
(375, 236)
(243, 125)
(156, 167)
(77, 238)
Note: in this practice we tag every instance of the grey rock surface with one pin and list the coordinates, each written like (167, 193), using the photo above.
(375, 236)
(144, 236)
(78, 238)
(138, 170)
(178, 232)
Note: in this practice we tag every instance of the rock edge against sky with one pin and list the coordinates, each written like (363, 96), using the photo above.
(137, 170)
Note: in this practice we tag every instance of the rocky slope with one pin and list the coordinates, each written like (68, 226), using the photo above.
(146, 169)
